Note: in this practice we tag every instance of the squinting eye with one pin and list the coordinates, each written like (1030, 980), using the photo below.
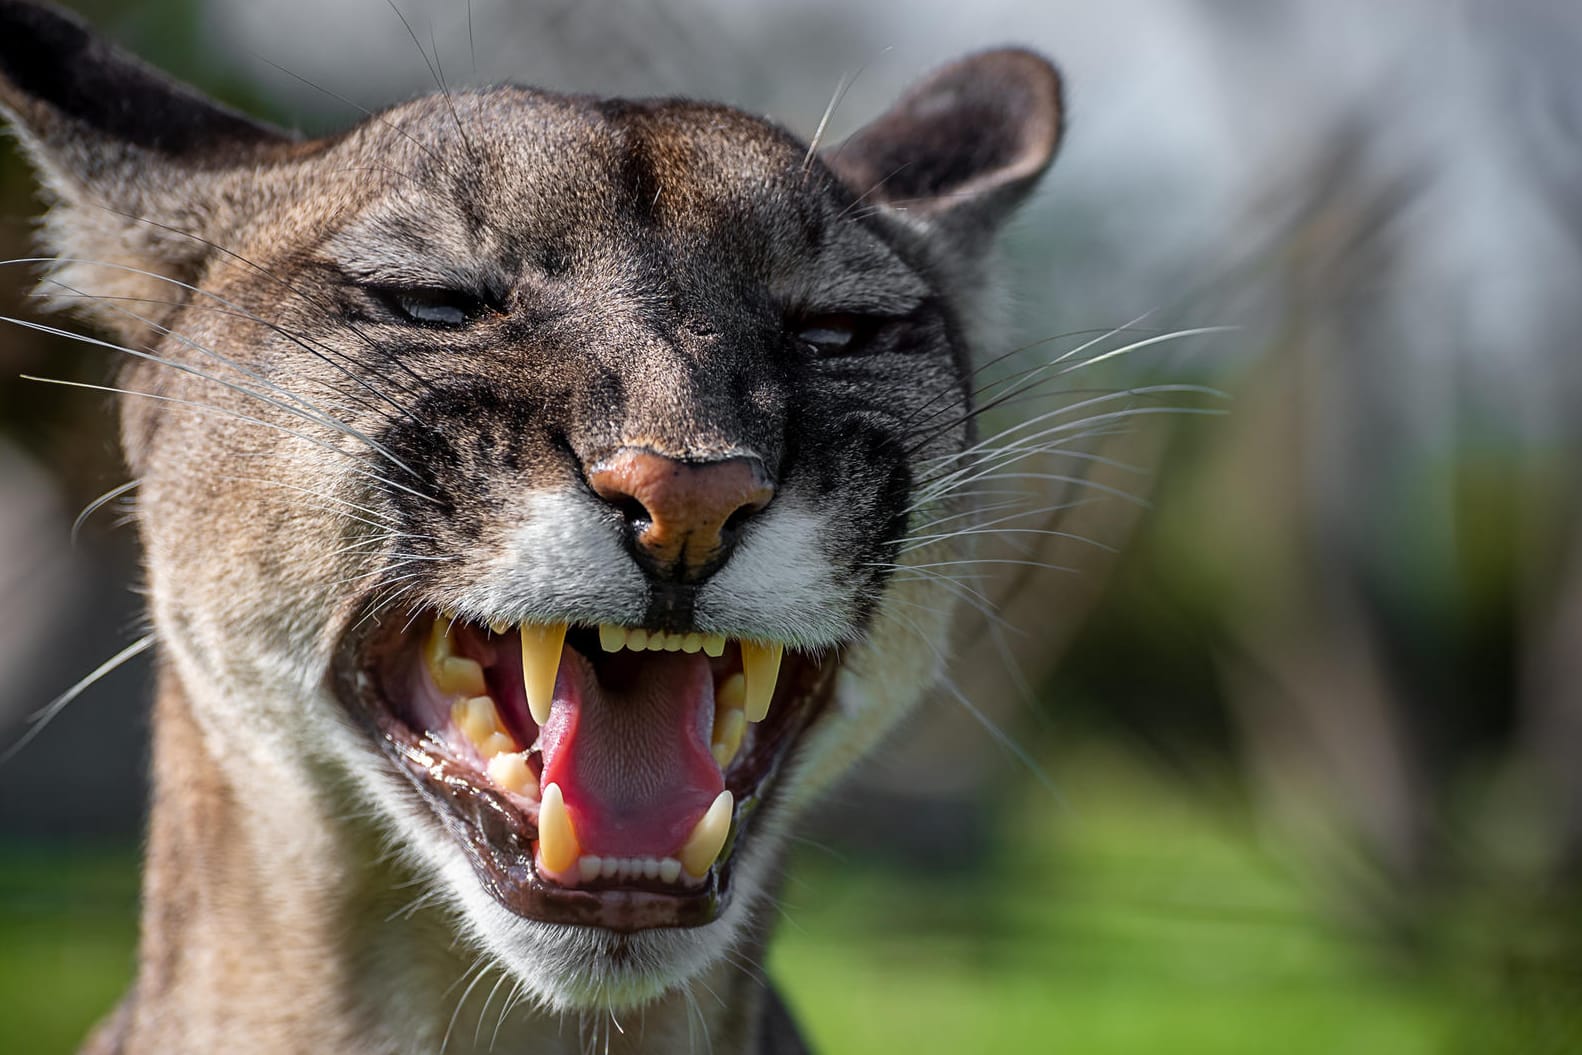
(444, 308)
(829, 333)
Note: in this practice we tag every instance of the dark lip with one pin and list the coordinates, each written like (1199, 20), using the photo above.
(498, 837)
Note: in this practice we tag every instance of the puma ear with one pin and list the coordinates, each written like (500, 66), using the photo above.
(132, 159)
(961, 149)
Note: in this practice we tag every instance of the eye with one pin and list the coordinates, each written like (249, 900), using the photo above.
(447, 309)
(832, 334)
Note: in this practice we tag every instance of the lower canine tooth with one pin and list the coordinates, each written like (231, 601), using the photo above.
(541, 647)
(708, 838)
(761, 665)
(511, 772)
(557, 839)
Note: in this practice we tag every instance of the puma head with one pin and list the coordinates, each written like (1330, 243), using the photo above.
(552, 483)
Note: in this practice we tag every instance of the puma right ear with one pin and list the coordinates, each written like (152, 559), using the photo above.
(133, 159)
(961, 149)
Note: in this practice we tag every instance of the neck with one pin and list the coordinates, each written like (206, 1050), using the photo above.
(271, 925)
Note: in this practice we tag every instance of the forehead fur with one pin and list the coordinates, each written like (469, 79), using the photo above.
(480, 187)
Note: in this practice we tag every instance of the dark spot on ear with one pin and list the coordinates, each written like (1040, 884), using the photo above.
(52, 62)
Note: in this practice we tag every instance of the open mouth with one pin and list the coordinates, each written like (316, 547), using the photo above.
(595, 775)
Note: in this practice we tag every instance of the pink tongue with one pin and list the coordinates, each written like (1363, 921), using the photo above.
(632, 756)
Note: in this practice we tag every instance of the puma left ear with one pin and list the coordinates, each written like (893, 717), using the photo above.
(134, 161)
(961, 149)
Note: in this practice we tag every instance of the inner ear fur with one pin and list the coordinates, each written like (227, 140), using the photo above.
(131, 159)
(961, 149)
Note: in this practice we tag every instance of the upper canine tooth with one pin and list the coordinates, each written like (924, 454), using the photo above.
(557, 839)
(612, 638)
(761, 665)
(708, 838)
(714, 645)
(541, 647)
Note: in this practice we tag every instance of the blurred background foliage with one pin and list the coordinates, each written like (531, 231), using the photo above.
(1290, 758)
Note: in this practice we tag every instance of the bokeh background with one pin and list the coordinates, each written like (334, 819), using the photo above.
(1287, 755)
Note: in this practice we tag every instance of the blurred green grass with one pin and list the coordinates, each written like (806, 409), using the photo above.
(1135, 914)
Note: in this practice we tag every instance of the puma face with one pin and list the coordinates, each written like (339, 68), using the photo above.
(538, 479)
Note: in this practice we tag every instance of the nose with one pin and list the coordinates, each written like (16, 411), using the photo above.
(683, 516)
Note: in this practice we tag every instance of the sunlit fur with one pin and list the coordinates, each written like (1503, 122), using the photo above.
(312, 464)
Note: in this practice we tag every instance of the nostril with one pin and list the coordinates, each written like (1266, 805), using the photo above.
(734, 522)
(682, 516)
(632, 511)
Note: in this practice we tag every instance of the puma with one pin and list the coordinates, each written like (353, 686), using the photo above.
(538, 495)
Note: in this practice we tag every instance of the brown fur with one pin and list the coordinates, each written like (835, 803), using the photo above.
(314, 458)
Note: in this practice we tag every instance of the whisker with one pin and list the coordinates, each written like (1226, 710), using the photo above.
(226, 411)
(98, 503)
(320, 416)
(41, 718)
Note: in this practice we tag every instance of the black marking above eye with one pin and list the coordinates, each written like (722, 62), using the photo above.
(446, 309)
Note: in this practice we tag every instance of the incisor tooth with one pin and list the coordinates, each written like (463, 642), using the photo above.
(541, 647)
(714, 645)
(761, 665)
(637, 639)
(692, 642)
(728, 729)
(557, 839)
(511, 772)
(656, 641)
(669, 869)
(708, 838)
(589, 866)
(612, 638)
